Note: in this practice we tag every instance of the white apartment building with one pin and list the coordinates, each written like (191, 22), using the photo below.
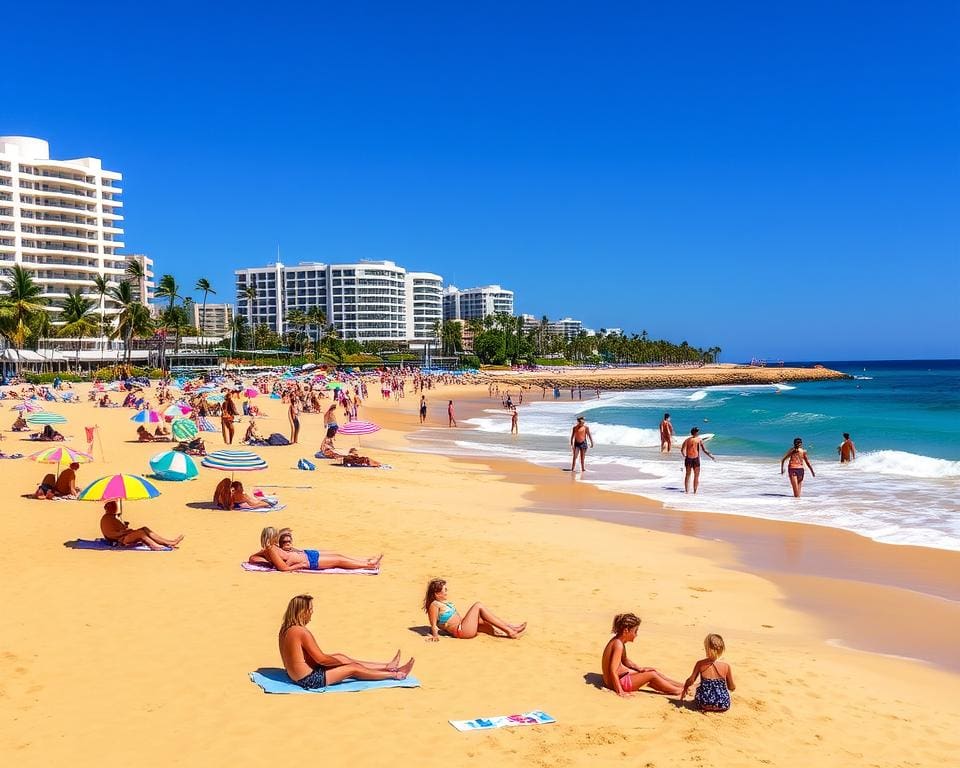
(214, 319)
(476, 303)
(61, 220)
(366, 300)
(567, 327)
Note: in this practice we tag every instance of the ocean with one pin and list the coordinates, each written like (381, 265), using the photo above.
(903, 416)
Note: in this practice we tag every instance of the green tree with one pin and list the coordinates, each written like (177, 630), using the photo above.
(491, 347)
(102, 286)
(20, 306)
(204, 285)
(76, 313)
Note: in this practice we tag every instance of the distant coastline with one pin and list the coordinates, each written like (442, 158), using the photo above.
(661, 377)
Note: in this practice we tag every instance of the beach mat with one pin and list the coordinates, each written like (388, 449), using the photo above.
(107, 545)
(536, 717)
(210, 505)
(361, 466)
(358, 571)
(273, 680)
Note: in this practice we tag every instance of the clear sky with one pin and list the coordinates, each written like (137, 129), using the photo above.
(780, 180)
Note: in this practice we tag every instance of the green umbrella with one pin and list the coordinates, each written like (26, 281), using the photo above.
(184, 429)
(45, 417)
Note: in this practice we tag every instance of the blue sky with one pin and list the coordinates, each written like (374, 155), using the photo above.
(780, 181)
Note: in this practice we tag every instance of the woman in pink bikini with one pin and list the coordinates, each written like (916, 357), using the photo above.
(621, 675)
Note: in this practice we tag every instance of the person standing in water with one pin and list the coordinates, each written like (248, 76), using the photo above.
(846, 449)
(423, 408)
(514, 421)
(690, 450)
(797, 457)
(451, 419)
(666, 434)
(578, 441)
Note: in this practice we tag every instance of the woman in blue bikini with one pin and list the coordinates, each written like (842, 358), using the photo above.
(443, 615)
(311, 668)
(277, 551)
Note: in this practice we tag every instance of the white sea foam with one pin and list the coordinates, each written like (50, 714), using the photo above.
(905, 465)
(697, 396)
(864, 378)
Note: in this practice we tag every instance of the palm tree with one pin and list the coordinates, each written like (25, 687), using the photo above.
(75, 312)
(101, 285)
(20, 305)
(167, 288)
(122, 294)
(204, 285)
(317, 316)
(135, 274)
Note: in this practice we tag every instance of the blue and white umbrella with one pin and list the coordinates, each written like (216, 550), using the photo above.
(173, 465)
(46, 418)
(234, 461)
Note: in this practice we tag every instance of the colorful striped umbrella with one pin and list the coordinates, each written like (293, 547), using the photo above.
(46, 418)
(233, 461)
(28, 405)
(251, 392)
(129, 487)
(177, 409)
(358, 428)
(215, 398)
(184, 429)
(173, 465)
(61, 454)
(145, 417)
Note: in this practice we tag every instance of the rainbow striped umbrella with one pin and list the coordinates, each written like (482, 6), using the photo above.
(46, 418)
(173, 465)
(29, 406)
(358, 428)
(233, 461)
(129, 487)
(145, 417)
(184, 429)
(61, 454)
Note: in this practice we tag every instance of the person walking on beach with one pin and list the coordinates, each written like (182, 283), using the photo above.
(846, 449)
(514, 421)
(451, 419)
(423, 408)
(228, 413)
(578, 441)
(797, 457)
(666, 434)
(690, 450)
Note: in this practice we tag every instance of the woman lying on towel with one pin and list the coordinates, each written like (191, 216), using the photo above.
(240, 499)
(443, 615)
(354, 459)
(311, 668)
(277, 551)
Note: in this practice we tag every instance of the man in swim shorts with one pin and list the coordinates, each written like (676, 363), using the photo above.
(690, 450)
(578, 441)
(666, 434)
(846, 449)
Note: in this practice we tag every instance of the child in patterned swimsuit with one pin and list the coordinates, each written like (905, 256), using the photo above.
(716, 678)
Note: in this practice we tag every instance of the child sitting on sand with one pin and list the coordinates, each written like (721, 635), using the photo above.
(621, 675)
(716, 678)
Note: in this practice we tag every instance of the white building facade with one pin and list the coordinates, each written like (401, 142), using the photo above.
(567, 327)
(214, 319)
(62, 221)
(476, 303)
(365, 300)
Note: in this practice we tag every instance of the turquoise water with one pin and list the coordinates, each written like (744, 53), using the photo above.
(904, 418)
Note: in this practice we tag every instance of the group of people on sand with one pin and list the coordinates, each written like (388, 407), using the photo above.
(62, 486)
(277, 551)
(230, 494)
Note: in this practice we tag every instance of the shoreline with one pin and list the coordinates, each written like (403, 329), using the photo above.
(836, 576)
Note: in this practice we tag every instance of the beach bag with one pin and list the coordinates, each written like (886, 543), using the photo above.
(277, 439)
(309, 466)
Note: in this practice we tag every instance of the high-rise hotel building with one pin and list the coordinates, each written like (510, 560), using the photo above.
(61, 220)
(366, 300)
(476, 303)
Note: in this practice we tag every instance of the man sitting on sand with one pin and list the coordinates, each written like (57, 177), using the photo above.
(327, 450)
(116, 530)
(66, 485)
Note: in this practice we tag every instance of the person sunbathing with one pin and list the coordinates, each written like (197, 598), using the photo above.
(143, 436)
(277, 551)
(354, 459)
(240, 499)
(252, 436)
(443, 615)
(327, 450)
(311, 668)
(47, 434)
(66, 485)
(47, 488)
(19, 423)
(116, 530)
(161, 431)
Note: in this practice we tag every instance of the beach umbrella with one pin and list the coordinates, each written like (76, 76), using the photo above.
(215, 398)
(145, 417)
(61, 454)
(250, 392)
(358, 428)
(46, 418)
(173, 465)
(335, 385)
(233, 461)
(28, 406)
(184, 429)
(177, 409)
(120, 487)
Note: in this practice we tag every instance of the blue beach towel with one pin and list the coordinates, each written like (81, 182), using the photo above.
(273, 680)
(109, 545)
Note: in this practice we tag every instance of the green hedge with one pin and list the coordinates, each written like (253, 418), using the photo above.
(47, 378)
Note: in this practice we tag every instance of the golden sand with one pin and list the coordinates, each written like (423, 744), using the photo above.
(136, 658)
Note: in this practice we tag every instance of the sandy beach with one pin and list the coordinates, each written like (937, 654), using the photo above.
(137, 658)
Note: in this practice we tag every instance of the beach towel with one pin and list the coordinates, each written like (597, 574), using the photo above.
(206, 425)
(109, 545)
(536, 717)
(268, 569)
(274, 508)
(276, 681)
(306, 464)
(277, 439)
(361, 466)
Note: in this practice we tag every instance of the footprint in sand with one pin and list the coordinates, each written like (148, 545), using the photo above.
(767, 626)
(700, 589)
